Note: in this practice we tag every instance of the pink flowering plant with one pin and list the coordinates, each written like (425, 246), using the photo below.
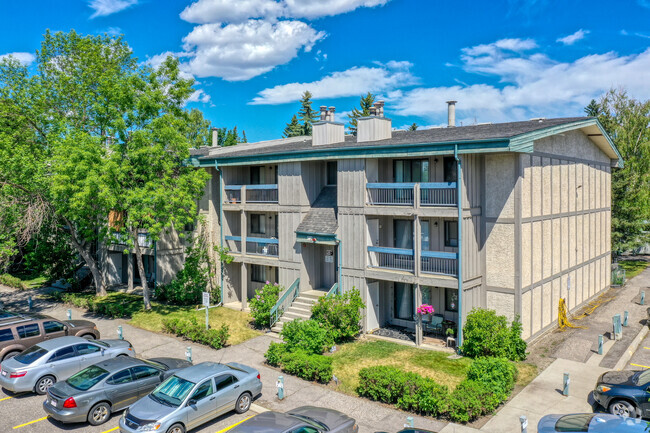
(261, 304)
(424, 309)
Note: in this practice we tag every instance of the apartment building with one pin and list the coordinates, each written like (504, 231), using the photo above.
(508, 216)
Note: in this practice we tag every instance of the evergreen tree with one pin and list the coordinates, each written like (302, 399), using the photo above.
(365, 103)
(293, 128)
(413, 127)
(244, 139)
(230, 137)
(593, 109)
(307, 114)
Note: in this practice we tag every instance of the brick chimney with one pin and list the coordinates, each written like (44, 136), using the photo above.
(326, 130)
(374, 127)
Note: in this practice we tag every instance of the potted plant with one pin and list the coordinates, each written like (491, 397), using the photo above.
(425, 310)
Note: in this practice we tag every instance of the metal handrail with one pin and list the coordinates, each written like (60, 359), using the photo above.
(333, 291)
(284, 302)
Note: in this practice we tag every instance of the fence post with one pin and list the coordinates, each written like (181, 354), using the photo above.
(618, 331)
(30, 303)
(625, 317)
(642, 297)
(524, 423)
(188, 353)
(69, 314)
(120, 334)
(567, 381)
(600, 344)
(280, 386)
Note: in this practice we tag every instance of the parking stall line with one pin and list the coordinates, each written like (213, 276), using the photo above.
(30, 422)
(639, 365)
(113, 429)
(646, 348)
(13, 396)
(234, 425)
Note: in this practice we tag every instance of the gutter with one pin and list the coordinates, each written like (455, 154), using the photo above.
(459, 192)
(216, 166)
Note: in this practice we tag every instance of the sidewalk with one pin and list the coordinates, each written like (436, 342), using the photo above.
(370, 416)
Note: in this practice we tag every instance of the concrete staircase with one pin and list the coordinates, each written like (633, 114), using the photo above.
(300, 309)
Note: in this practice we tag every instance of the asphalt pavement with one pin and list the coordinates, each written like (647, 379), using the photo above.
(641, 358)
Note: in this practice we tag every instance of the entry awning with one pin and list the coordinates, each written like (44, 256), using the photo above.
(316, 238)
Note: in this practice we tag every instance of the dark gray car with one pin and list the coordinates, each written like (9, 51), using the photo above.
(305, 419)
(193, 396)
(591, 423)
(109, 386)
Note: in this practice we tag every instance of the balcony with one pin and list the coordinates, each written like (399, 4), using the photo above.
(405, 194)
(233, 243)
(397, 259)
(144, 240)
(251, 193)
(254, 246)
(435, 262)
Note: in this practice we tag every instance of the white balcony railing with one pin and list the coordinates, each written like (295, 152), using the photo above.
(406, 194)
(251, 193)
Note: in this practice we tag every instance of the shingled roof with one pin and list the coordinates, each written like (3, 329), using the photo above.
(321, 218)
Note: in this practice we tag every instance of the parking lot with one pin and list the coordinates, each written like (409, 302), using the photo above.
(641, 358)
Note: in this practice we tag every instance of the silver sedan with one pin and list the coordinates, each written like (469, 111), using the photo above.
(305, 419)
(42, 365)
(193, 396)
(109, 386)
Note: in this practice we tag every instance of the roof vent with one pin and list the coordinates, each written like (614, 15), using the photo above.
(451, 114)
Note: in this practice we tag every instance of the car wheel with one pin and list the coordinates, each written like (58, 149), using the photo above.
(243, 403)
(99, 413)
(88, 336)
(622, 408)
(43, 384)
(11, 355)
(176, 428)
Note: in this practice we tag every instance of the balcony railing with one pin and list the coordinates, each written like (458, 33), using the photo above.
(262, 246)
(144, 240)
(438, 194)
(251, 193)
(406, 194)
(391, 258)
(435, 262)
(391, 194)
(233, 243)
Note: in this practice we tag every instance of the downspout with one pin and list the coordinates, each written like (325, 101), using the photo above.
(459, 198)
(220, 199)
(339, 243)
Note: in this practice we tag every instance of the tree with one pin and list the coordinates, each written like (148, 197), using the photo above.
(154, 190)
(306, 113)
(627, 121)
(293, 128)
(414, 127)
(230, 137)
(593, 109)
(365, 103)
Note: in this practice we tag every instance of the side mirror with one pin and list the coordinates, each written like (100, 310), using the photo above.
(103, 352)
(65, 328)
(191, 402)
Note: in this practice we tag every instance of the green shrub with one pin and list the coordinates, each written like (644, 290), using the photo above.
(307, 335)
(308, 366)
(194, 331)
(486, 334)
(340, 314)
(381, 383)
(112, 305)
(261, 304)
(11, 281)
(496, 374)
(468, 402)
(275, 353)
(423, 395)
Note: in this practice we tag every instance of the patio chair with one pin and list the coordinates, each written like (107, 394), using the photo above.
(435, 326)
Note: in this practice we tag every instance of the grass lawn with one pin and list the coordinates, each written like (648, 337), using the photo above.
(130, 306)
(23, 281)
(633, 267)
(526, 373)
(350, 358)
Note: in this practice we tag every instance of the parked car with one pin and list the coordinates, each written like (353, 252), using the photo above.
(305, 419)
(19, 332)
(194, 396)
(109, 386)
(42, 365)
(591, 423)
(624, 393)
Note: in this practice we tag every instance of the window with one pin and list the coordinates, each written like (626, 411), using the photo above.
(450, 168)
(61, 354)
(451, 233)
(87, 378)
(143, 371)
(204, 390)
(120, 377)
(86, 349)
(258, 223)
(451, 299)
(256, 175)
(332, 169)
(404, 301)
(305, 430)
(52, 326)
(258, 274)
(411, 170)
(225, 381)
(189, 227)
(403, 231)
(28, 331)
(574, 422)
(6, 335)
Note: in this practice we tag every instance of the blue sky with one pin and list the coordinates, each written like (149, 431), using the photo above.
(502, 60)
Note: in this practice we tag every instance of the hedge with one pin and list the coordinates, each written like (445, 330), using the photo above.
(194, 331)
(11, 281)
(305, 365)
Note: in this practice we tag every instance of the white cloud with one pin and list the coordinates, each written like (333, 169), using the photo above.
(237, 52)
(199, 96)
(24, 58)
(113, 31)
(108, 7)
(351, 82)
(574, 37)
(533, 85)
(320, 8)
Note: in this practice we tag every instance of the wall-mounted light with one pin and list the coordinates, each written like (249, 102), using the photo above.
(435, 160)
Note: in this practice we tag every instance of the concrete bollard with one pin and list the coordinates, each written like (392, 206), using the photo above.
(69, 314)
(188, 353)
(618, 330)
(567, 381)
(642, 297)
(30, 303)
(625, 317)
(524, 423)
(120, 334)
(409, 422)
(280, 386)
(600, 344)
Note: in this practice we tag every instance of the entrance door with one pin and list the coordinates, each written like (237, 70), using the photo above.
(373, 306)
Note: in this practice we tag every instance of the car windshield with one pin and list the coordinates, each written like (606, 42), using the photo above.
(311, 421)
(101, 343)
(155, 364)
(574, 423)
(87, 378)
(30, 355)
(172, 391)
(643, 378)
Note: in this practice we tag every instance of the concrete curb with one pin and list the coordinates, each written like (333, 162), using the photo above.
(258, 409)
(631, 348)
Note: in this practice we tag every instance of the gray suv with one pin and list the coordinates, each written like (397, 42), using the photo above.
(19, 332)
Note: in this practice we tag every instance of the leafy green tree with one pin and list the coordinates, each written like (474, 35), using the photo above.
(627, 121)
(293, 128)
(414, 127)
(230, 137)
(365, 103)
(306, 113)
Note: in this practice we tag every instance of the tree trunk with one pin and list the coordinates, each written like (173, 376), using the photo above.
(129, 264)
(100, 287)
(143, 276)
